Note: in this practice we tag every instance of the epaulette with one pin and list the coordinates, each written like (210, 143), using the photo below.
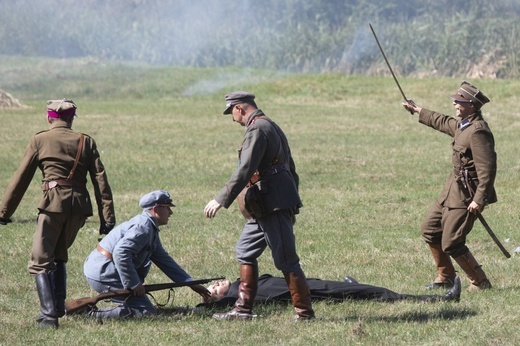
(478, 124)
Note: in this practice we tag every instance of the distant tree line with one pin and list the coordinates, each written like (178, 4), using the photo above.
(477, 38)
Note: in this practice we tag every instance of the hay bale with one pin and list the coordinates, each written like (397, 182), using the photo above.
(7, 101)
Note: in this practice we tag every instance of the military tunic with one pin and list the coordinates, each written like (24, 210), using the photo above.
(448, 222)
(265, 145)
(62, 209)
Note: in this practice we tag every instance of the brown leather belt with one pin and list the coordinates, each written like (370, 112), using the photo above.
(61, 182)
(104, 252)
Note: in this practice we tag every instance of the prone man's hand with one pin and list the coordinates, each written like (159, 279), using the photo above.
(4, 221)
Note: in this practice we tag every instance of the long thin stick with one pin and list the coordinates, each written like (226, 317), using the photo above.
(387, 63)
(492, 235)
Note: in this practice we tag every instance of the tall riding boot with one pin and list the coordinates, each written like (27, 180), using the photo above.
(60, 288)
(445, 270)
(243, 309)
(300, 294)
(45, 289)
(474, 271)
(58, 279)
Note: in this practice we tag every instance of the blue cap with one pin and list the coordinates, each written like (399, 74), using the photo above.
(158, 197)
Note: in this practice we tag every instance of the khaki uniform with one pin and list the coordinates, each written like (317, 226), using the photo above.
(448, 222)
(62, 209)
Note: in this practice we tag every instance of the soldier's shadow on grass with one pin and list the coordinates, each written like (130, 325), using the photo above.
(417, 316)
(421, 316)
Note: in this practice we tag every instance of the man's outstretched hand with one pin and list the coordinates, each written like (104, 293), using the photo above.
(211, 208)
(411, 107)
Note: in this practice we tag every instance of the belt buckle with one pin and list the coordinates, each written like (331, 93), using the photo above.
(53, 184)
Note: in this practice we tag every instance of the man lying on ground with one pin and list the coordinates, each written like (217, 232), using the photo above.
(274, 289)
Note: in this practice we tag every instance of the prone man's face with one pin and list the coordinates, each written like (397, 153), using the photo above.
(219, 289)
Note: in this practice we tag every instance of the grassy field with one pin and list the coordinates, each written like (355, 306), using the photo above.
(368, 170)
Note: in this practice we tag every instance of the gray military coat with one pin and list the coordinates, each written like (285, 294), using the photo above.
(263, 146)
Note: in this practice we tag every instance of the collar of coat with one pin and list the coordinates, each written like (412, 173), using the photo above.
(253, 116)
(470, 120)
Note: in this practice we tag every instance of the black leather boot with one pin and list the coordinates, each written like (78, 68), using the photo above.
(60, 288)
(454, 293)
(49, 318)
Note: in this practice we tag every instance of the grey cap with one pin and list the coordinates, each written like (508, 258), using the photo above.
(158, 197)
(237, 97)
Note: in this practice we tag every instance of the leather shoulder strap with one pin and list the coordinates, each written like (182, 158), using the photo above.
(78, 154)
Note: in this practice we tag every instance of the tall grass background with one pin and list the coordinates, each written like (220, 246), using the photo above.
(368, 170)
(421, 37)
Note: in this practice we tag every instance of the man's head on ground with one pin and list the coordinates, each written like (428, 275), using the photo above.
(218, 290)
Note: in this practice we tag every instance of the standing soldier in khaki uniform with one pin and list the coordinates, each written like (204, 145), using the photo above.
(451, 218)
(64, 157)
(265, 151)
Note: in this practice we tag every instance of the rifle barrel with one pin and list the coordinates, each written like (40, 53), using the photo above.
(75, 305)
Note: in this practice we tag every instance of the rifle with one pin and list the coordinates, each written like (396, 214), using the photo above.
(388, 64)
(76, 305)
(469, 193)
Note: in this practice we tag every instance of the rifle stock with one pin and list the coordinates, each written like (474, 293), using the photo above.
(76, 305)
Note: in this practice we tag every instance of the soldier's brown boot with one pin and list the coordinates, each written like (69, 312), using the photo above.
(474, 271)
(243, 309)
(445, 270)
(300, 294)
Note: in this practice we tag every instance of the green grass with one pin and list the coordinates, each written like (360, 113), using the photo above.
(368, 174)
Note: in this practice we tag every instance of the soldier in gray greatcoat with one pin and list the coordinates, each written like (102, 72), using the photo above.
(123, 259)
(65, 157)
(468, 189)
(265, 155)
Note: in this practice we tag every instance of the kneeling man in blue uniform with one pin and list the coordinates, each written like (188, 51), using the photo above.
(123, 259)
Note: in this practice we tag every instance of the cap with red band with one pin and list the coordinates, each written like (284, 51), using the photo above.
(61, 108)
